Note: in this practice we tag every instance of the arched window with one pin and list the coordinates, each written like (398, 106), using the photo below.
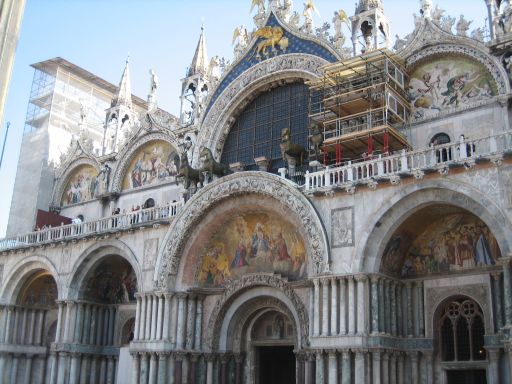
(442, 154)
(461, 331)
(257, 130)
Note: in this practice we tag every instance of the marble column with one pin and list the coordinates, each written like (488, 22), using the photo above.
(94, 369)
(401, 368)
(84, 370)
(387, 303)
(68, 322)
(99, 324)
(28, 370)
(359, 368)
(137, 317)
(162, 368)
(180, 330)
(332, 367)
(142, 321)
(497, 300)
(392, 368)
(375, 304)
(60, 312)
(149, 310)
(505, 262)
(408, 294)
(171, 365)
(79, 322)
(400, 311)
(33, 315)
(361, 304)
(144, 368)
(351, 306)
(209, 368)
(393, 309)
(159, 316)
(112, 369)
(385, 367)
(74, 370)
(199, 321)
(135, 367)
(493, 374)
(309, 369)
(23, 330)
(192, 369)
(421, 310)
(316, 312)
(62, 368)
(428, 357)
(94, 321)
(413, 356)
(299, 368)
(377, 374)
(382, 315)
(319, 367)
(508, 349)
(167, 313)
(87, 323)
(346, 367)
(174, 321)
(103, 369)
(14, 369)
(154, 316)
(239, 370)
(224, 359)
(112, 316)
(153, 367)
(325, 307)
(334, 307)
(8, 325)
(53, 368)
(190, 325)
(106, 322)
(343, 307)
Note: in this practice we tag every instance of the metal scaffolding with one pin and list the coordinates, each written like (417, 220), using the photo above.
(360, 109)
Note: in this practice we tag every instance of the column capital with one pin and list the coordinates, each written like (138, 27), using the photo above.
(505, 260)
(375, 278)
(361, 278)
(427, 354)
(239, 357)
(496, 275)
(224, 357)
(413, 355)
(194, 357)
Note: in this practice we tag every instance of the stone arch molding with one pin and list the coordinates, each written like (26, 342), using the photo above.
(260, 183)
(63, 178)
(19, 273)
(126, 156)
(415, 197)
(280, 296)
(215, 126)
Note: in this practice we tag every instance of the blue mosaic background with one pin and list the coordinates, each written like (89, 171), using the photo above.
(296, 45)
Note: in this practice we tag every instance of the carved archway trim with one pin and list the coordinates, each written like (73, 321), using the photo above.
(241, 322)
(126, 156)
(251, 282)
(215, 126)
(94, 254)
(63, 178)
(228, 187)
(19, 273)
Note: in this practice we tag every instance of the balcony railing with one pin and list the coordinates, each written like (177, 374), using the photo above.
(464, 152)
(97, 227)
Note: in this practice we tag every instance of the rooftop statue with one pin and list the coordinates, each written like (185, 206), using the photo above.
(286, 11)
(462, 26)
(240, 40)
(273, 36)
(260, 4)
(339, 18)
(309, 8)
(426, 9)
(293, 154)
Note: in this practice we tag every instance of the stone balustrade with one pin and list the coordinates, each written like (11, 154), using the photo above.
(414, 163)
(90, 228)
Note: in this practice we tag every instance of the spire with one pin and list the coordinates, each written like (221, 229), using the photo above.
(125, 88)
(200, 61)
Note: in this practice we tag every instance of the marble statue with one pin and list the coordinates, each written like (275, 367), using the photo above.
(462, 26)
(426, 9)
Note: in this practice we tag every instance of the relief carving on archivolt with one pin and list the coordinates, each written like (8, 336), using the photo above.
(228, 187)
(435, 296)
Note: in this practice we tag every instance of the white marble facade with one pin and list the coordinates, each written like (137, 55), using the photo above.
(150, 296)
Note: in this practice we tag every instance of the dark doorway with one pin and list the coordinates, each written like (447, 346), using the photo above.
(276, 365)
(473, 376)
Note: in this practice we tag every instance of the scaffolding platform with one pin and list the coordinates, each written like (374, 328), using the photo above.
(360, 107)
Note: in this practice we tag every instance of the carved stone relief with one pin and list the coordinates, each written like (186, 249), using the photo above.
(342, 227)
(150, 252)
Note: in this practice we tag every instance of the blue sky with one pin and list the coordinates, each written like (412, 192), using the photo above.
(97, 35)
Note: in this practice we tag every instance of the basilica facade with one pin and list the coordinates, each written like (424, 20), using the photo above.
(325, 209)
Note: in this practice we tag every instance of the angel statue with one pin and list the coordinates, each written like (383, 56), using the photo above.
(340, 17)
(462, 26)
(286, 10)
(426, 9)
(309, 8)
(260, 4)
(240, 34)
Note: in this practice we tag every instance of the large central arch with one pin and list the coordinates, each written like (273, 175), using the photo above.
(226, 189)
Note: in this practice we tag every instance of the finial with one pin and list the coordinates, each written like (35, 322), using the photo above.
(128, 58)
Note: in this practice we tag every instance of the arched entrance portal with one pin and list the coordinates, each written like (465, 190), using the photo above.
(262, 337)
(271, 345)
